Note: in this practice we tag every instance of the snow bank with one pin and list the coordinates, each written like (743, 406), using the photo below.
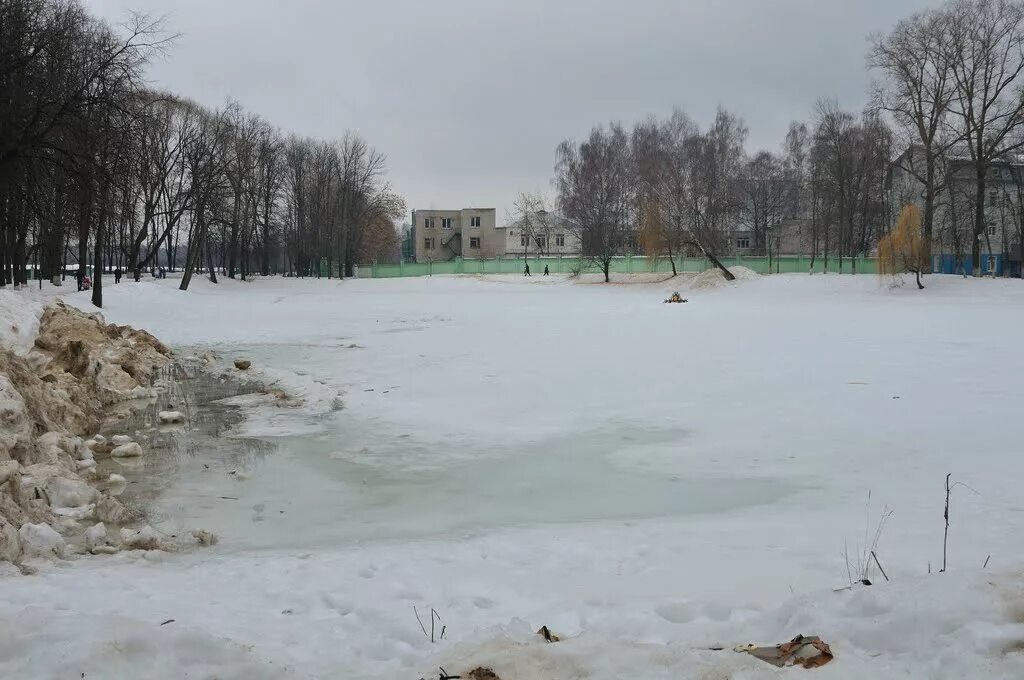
(77, 365)
(278, 607)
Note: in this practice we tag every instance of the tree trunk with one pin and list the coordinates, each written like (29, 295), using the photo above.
(979, 221)
(729, 276)
(929, 211)
(97, 268)
(209, 257)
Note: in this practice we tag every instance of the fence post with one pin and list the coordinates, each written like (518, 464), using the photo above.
(401, 266)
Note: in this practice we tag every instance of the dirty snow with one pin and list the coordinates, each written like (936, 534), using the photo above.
(19, 320)
(648, 480)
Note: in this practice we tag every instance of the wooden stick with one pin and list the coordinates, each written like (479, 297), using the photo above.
(986, 561)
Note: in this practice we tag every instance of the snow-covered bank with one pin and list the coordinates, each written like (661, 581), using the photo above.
(50, 395)
(348, 614)
(646, 479)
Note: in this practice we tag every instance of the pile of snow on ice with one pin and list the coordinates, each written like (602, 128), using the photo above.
(713, 278)
(50, 393)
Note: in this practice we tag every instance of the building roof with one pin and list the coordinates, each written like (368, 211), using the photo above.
(554, 220)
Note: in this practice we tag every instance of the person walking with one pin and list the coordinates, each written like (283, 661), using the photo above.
(546, 272)
(526, 271)
(117, 274)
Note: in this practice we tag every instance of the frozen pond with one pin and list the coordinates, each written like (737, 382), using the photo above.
(349, 483)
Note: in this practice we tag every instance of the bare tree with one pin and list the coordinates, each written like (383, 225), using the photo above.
(985, 50)
(765, 194)
(531, 220)
(595, 192)
(917, 89)
(716, 159)
(662, 197)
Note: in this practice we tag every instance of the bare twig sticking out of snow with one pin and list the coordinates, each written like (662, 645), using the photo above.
(434, 615)
(418, 621)
(945, 516)
(435, 618)
(986, 561)
(945, 534)
(879, 565)
(866, 551)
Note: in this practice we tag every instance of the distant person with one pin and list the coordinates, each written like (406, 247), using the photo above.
(79, 275)
(117, 275)
(546, 272)
(163, 273)
(526, 271)
(138, 274)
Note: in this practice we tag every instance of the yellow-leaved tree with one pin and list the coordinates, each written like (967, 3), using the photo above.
(655, 237)
(901, 251)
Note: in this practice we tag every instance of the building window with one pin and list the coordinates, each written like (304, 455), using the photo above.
(522, 240)
(446, 223)
(428, 244)
(474, 221)
(428, 222)
(993, 198)
(542, 241)
(990, 264)
(743, 243)
(991, 228)
(474, 241)
(559, 239)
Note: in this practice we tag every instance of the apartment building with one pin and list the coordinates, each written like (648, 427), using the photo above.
(470, 233)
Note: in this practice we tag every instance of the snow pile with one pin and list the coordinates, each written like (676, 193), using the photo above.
(714, 278)
(19, 321)
(50, 394)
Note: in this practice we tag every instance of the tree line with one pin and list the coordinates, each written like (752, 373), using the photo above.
(946, 105)
(98, 169)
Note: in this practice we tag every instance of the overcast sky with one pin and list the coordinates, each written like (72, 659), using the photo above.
(468, 98)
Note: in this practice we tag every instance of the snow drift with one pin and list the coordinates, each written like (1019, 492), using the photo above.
(50, 394)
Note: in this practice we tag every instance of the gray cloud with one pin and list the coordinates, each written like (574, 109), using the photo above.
(468, 98)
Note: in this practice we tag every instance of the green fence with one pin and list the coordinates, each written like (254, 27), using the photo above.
(635, 264)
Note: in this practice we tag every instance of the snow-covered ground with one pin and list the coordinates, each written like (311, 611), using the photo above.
(646, 479)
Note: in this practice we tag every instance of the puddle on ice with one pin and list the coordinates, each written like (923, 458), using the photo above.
(329, 489)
